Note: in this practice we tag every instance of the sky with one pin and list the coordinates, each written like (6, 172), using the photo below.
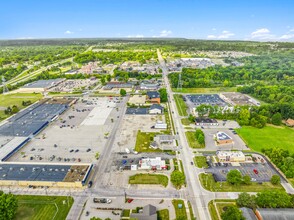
(260, 20)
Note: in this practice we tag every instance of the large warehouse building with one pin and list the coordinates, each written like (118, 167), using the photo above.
(40, 174)
(40, 86)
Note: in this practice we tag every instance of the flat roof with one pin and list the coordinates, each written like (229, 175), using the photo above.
(222, 136)
(277, 214)
(11, 146)
(137, 111)
(32, 119)
(43, 83)
(40, 172)
(212, 99)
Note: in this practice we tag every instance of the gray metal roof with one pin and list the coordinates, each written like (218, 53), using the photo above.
(277, 214)
(43, 83)
(30, 120)
(33, 172)
(137, 111)
(248, 213)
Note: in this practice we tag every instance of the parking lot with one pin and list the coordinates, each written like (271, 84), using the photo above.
(259, 172)
(72, 85)
(210, 143)
(75, 136)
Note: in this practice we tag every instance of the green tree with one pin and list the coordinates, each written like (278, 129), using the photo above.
(244, 117)
(234, 177)
(123, 92)
(246, 179)
(277, 119)
(8, 206)
(232, 213)
(108, 78)
(103, 80)
(246, 200)
(163, 94)
(177, 178)
(275, 179)
(274, 199)
(95, 218)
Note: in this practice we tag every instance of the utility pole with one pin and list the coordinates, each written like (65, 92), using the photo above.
(180, 82)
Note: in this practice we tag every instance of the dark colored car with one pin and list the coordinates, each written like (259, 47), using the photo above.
(90, 184)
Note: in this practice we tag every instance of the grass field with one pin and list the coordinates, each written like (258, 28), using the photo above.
(180, 212)
(200, 161)
(42, 207)
(181, 105)
(192, 217)
(143, 142)
(207, 181)
(163, 214)
(220, 205)
(16, 99)
(206, 90)
(149, 179)
(193, 143)
(186, 121)
(268, 137)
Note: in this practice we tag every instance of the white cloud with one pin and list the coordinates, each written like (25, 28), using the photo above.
(136, 36)
(213, 29)
(287, 36)
(211, 36)
(165, 33)
(68, 32)
(223, 35)
(292, 30)
(226, 35)
(262, 34)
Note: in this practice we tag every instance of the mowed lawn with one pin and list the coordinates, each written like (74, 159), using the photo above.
(268, 137)
(149, 179)
(16, 99)
(43, 207)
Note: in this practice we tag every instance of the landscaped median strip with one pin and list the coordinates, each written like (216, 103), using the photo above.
(149, 179)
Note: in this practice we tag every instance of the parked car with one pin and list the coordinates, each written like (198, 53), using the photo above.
(90, 184)
(255, 171)
(102, 200)
(192, 163)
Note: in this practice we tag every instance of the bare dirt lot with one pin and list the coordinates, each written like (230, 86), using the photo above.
(127, 133)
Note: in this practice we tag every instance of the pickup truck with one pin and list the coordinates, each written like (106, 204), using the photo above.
(102, 200)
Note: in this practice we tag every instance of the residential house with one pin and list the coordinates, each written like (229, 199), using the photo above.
(153, 97)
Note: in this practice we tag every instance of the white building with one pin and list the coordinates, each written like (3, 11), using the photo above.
(152, 164)
(230, 156)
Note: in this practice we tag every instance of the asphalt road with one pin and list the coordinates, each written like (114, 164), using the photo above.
(195, 192)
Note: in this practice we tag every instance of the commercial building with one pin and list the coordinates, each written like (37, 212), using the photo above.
(164, 138)
(152, 164)
(137, 111)
(153, 97)
(155, 109)
(22, 127)
(223, 138)
(149, 86)
(160, 125)
(230, 156)
(40, 86)
(117, 85)
(40, 174)
(206, 122)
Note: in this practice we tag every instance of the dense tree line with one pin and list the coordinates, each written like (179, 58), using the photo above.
(8, 206)
(266, 199)
(270, 93)
(31, 54)
(282, 159)
(124, 75)
(272, 68)
(116, 57)
(256, 116)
